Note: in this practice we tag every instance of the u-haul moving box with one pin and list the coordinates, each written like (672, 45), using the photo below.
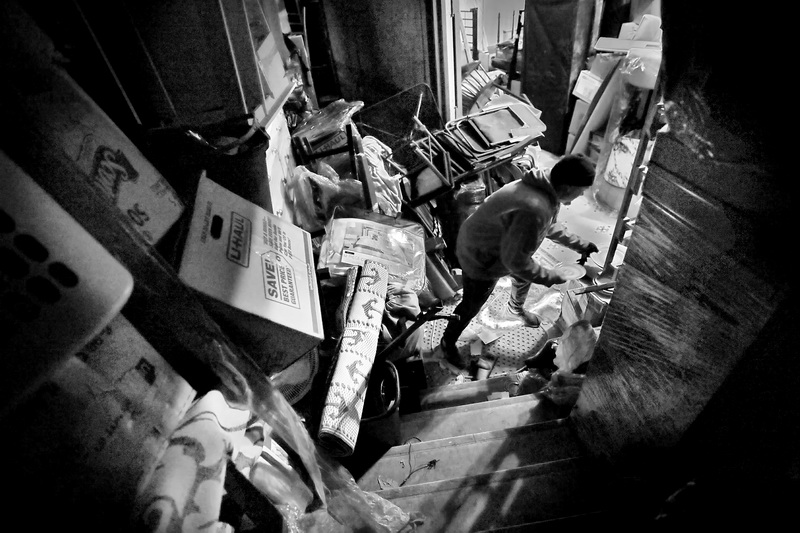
(256, 274)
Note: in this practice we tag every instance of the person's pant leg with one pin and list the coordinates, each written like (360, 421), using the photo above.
(519, 293)
(476, 292)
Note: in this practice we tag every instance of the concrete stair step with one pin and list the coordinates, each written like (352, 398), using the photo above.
(476, 418)
(507, 498)
(462, 393)
(476, 453)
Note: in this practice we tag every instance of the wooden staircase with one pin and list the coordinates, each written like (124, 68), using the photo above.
(470, 464)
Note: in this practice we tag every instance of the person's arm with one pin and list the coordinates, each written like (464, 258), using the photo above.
(558, 233)
(520, 240)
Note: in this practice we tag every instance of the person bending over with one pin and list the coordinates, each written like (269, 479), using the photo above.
(501, 236)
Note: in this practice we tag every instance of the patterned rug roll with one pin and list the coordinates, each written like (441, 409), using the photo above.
(341, 414)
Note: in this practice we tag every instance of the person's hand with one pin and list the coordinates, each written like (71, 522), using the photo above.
(589, 249)
(556, 278)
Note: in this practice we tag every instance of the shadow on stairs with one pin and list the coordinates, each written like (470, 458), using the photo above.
(470, 464)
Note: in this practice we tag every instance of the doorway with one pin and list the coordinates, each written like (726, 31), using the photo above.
(475, 36)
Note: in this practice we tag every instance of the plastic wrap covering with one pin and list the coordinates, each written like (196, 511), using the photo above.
(387, 187)
(330, 121)
(326, 131)
(640, 67)
(315, 195)
(351, 509)
(354, 236)
(704, 272)
(626, 120)
(694, 292)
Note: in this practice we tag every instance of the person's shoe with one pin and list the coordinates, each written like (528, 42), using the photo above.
(543, 360)
(453, 356)
(511, 313)
(481, 369)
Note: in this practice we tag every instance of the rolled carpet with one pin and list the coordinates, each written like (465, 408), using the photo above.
(344, 403)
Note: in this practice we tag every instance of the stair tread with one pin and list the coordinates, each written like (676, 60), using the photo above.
(478, 406)
(462, 393)
(525, 398)
(476, 418)
(506, 498)
(474, 453)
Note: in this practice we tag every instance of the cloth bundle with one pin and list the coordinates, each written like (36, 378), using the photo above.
(344, 403)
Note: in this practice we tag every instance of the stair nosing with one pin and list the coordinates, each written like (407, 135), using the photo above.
(461, 386)
(457, 440)
(482, 479)
(489, 404)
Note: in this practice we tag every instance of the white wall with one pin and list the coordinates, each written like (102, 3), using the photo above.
(487, 14)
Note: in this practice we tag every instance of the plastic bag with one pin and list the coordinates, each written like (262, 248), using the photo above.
(329, 121)
(564, 388)
(354, 236)
(387, 187)
(531, 381)
(575, 347)
(315, 196)
(326, 131)
(402, 302)
(350, 509)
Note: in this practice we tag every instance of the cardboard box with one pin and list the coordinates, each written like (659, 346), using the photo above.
(256, 274)
(110, 161)
(94, 432)
(42, 99)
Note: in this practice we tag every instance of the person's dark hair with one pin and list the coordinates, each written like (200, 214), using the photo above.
(574, 170)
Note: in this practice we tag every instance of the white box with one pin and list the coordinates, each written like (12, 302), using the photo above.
(610, 44)
(256, 273)
(586, 86)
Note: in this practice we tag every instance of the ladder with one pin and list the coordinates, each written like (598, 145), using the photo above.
(638, 172)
